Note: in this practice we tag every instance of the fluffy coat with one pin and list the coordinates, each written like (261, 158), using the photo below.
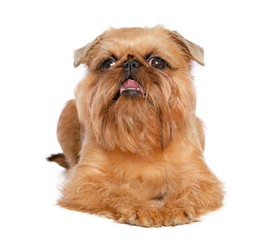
(137, 158)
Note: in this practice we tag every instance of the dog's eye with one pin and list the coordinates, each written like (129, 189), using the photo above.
(157, 62)
(107, 63)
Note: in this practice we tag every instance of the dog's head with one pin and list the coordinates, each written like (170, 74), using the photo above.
(138, 92)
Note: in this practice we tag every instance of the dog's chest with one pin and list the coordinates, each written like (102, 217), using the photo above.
(150, 177)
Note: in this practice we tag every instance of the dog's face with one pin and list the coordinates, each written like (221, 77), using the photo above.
(138, 93)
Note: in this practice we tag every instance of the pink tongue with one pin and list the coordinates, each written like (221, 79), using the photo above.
(131, 84)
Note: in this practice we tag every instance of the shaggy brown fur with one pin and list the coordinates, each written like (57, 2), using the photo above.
(137, 155)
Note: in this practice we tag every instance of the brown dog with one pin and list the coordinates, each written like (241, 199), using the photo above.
(132, 143)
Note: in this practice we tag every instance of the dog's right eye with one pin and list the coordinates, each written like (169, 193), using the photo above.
(107, 63)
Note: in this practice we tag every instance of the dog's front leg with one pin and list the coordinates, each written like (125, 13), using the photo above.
(102, 197)
(187, 204)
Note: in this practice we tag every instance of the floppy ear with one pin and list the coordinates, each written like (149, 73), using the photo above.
(81, 55)
(192, 49)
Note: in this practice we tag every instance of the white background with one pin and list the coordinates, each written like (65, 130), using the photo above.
(236, 97)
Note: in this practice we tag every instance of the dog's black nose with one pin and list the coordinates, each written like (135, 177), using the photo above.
(131, 65)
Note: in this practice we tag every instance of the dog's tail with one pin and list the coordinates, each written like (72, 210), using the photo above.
(60, 159)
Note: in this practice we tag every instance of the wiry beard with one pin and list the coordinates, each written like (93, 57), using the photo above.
(136, 124)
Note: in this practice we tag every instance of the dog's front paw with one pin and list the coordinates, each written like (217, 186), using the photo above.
(142, 216)
(177, 216)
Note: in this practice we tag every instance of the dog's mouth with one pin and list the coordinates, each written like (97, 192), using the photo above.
(131, 87)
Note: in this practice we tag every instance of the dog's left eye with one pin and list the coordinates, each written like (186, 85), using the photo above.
(157, 62)
(107, 63)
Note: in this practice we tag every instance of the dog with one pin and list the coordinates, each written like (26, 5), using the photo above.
(132, 144)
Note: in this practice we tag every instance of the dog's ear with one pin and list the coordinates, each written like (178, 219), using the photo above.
(192, 49)
(81, 55)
